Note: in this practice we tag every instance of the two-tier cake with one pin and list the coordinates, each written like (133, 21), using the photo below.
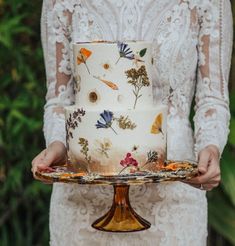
(114, 128)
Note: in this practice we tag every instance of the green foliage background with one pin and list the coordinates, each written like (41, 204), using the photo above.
(24, 203)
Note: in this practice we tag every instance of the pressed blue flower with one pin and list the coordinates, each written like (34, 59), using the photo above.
(106, 120)
(124, 51)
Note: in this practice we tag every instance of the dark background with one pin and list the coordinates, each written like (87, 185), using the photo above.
(24, 202)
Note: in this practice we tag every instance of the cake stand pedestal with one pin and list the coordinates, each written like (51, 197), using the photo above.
(121, 217)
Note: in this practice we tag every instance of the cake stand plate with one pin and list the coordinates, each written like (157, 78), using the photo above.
(121, 217)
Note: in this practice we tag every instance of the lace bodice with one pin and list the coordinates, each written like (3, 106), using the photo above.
(192, 44)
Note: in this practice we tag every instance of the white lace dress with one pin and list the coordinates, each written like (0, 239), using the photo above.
(192, 49)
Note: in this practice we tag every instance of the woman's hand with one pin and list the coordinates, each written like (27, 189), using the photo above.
(55, 153)
(209, 169)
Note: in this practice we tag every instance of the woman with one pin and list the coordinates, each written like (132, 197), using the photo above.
(192, 42)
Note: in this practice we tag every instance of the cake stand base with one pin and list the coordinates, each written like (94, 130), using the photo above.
(121, 217)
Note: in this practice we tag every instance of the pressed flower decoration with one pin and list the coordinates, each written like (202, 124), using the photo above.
(110, 84)
(128, 161)
(93, 96)
(125, 123)
(138, 78)
(139, 55)
(135, 148)
(157, 125)
(77, 83)
(106, 66)
(152, 156)
(106, 120)
(72, 122)
(124, 51)
(82, 57)
(103, 147)
(85, 149)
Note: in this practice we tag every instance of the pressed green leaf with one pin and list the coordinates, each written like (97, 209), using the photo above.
(143, 52)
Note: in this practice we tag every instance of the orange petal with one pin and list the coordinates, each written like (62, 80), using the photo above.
(79, 60)
(85, 52)
(109, 84)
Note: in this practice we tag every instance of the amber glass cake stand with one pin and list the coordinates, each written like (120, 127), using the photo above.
(121, 217)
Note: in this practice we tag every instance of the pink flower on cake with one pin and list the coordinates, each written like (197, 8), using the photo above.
(129, 161)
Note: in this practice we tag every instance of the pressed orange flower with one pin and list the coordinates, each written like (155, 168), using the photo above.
(83, 55)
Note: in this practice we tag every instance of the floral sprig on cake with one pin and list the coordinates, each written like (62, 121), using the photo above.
(128, 161)
(152, 156)
(85, 149)
(103, 147)
(139, 79)
(72, 121)
(125, 123)
(105, 121)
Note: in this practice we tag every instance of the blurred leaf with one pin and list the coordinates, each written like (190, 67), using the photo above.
(231, 137)
(222, 215)
(228, 176)
(10, 27)
(232, 102)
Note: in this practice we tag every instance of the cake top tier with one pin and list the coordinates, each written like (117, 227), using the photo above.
(113, 74)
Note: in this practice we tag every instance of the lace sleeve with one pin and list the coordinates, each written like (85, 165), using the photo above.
(55, 41)
(214, 56)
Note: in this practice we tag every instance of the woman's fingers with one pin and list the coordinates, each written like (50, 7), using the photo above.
(39, 157)
(208, 186)
(212, 171)
(37, 160)
(209, 170)
(204, 158)
(213, 180)
(43, 160)
(55, 153)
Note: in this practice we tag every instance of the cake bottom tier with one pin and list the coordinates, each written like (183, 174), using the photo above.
(114, 142)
